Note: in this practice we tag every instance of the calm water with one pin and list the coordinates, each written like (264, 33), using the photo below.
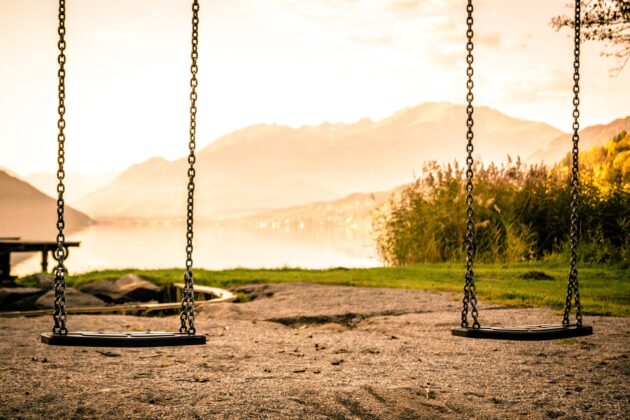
(116, 246)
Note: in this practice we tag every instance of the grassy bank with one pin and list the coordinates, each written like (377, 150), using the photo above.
(604, 289)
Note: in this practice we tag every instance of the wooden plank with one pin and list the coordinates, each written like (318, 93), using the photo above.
(13, 241)
(222, 295)
(32, 246)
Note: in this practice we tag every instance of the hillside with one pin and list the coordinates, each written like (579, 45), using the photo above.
(267, 166)
(354, 211)
(77, 184)
(30, 214)
(607, 167)
(593, 136)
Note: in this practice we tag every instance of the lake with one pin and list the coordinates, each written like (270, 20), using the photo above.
(159, 246)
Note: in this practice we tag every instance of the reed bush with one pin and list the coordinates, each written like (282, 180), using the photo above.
(521, 211)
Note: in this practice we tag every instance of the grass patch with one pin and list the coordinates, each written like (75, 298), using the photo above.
(604, 289)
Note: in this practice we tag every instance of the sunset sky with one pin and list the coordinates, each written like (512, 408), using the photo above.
(289, 62)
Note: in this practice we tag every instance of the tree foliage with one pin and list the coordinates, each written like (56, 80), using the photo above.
(603, 20)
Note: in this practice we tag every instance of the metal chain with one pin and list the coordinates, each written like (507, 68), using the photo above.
(470, 297)
(187, 315)
(572, 286)
(59, 314)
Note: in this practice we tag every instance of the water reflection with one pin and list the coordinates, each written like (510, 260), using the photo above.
(116, 246)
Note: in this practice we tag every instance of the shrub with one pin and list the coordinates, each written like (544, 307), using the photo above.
(521, 212)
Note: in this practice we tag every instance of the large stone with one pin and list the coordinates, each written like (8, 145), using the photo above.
(74, 299)
(24, 304)
(25, 296)
(103, 289)
(129, 288)
(136, 289)
(44, 281)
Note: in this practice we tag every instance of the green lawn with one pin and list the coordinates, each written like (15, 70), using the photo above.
(604, 289)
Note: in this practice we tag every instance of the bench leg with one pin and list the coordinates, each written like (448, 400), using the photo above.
(45, 261)
(5, 266)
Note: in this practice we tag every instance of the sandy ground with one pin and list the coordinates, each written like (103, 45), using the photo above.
(309, 351)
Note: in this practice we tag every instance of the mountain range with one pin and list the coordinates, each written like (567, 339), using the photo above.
(30, 214)
(271, 166)
(595, 135)
(77, 184)
(354, 211)
(271, 174)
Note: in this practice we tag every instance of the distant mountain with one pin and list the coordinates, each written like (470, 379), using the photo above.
(77, 184)
(595, 135)
(270, 166)
(354, 211)
(30, 214)
(154, 189)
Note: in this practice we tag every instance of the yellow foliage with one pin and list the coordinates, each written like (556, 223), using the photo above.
(607, 166)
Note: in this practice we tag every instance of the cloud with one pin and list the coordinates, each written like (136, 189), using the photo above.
(492, 39)
(112, 36)
(431, 30)
(542, 84)
(373, 39)
(496, 41)
(409, 25)
(404, 5)
(426, 6)
(448, 58)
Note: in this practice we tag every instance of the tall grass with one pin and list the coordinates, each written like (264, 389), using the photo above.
(521, 212)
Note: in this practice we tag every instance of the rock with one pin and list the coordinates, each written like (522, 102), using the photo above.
(129, 288)
(74, 299)
(133, 288)
(25, 304)
(103, 289)
(44, 281)
(10, 296)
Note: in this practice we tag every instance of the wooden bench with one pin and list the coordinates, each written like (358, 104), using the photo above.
(10, 245)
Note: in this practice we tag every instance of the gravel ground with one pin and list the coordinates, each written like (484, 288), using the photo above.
(310, 351)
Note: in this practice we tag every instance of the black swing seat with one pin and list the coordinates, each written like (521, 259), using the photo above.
(124, 339)
(524, 333)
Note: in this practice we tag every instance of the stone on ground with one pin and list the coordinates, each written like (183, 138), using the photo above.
(18, 298)
(74, 299)
(44, 281)
(129, 288)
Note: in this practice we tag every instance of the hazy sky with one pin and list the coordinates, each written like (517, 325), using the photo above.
(275, 61)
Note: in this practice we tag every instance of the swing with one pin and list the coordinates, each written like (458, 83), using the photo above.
(60, 335)
(535, 332)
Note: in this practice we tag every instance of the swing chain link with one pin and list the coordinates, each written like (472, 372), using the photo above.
(470, 297)
(187, 315)
(572, 286)
(60, 253)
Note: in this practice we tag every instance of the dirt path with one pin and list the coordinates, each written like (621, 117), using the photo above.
(309, 351)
